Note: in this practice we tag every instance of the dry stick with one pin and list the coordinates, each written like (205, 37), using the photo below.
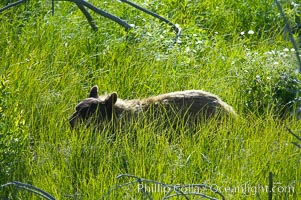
(52, 5)
(101, 12)
(152, 14)
(88, 16)
(82, 3)
(12, 4)
(291, 37)
(295, 135)
(270, 192)
(291, 132)
(176, 28)
(30, 188)
(296, 144)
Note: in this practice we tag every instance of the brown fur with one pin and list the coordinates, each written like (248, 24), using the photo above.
(196, 103)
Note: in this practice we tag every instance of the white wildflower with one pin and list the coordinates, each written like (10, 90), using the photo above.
(250, 32)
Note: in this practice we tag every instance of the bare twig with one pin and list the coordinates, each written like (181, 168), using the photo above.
(295, 135)
(176, 28)
(296, 144)
(52, 7)
(30, 188)
(81, 4)
(290, 33)
(12, 4)
(88, 16)
(291, 132)
(101, 12)
(270, 192)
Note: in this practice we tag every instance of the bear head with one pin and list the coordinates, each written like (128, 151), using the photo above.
(94, 109)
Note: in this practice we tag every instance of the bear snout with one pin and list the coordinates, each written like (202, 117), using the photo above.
(73, 119)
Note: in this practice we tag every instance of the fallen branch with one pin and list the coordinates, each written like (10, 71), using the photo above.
(176, 28)
(290, 33)
(12, 4)
(29, 188)
(270, 192)
(295, 135)
(101, 12)
(88, 16)
(82, 5)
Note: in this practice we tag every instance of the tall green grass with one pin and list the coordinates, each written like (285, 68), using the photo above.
(49, 63)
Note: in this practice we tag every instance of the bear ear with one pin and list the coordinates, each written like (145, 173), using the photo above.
(94, 92)
(111, 99)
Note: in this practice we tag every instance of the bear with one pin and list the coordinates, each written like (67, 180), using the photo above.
(187, 104)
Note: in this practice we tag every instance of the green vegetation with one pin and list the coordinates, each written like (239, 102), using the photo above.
(235, 49)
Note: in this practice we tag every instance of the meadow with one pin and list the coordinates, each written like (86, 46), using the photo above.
(238, 50)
